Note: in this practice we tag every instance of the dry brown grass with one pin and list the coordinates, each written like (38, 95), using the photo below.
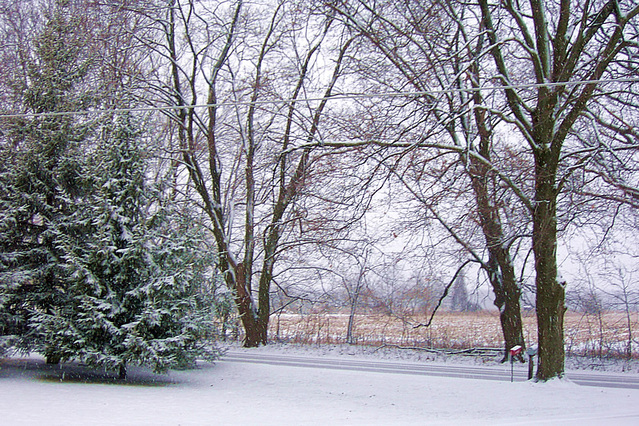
(606, 334)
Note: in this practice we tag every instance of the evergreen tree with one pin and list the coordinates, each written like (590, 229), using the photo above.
(136, 276)
(92, 265)
(460, 302)
(39, 182)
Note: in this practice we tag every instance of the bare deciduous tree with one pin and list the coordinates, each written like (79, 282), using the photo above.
(562, 43)
(432, 46)
(253, 156)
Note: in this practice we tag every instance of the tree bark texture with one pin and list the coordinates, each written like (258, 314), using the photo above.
(550, 299)
(255, 330)
(500, 268)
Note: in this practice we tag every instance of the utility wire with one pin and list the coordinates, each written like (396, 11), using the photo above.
(343, 96)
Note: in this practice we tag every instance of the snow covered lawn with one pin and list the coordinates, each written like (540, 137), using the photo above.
(226, 393)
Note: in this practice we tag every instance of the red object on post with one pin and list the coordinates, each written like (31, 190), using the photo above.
(515, 350)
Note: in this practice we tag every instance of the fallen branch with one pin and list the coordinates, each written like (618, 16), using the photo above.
(470, 351)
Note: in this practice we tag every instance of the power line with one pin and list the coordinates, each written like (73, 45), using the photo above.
(342, 96)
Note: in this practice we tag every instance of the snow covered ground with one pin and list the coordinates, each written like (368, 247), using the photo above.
(230, 393)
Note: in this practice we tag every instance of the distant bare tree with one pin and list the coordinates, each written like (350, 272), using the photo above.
(625, 296)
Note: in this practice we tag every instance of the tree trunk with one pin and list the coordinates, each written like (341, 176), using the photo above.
(550, 293)
(501, 271)
(52, 358)
(507, 295)
(122, 370)
(255, 330)
(351, 317)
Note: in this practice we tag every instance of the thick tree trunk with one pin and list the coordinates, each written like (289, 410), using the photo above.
(550, 292)
(264, 291)
(501, 271)
(507, 296)
(255, 330)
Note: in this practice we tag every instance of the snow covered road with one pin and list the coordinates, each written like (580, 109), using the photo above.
(500, 373)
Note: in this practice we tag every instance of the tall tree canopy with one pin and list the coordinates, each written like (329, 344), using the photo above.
(97, 261)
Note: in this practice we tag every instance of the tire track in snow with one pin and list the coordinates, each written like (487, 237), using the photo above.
(628, 381)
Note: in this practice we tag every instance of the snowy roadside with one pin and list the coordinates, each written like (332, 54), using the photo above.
(392, 353)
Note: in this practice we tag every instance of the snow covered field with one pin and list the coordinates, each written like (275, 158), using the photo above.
(585, 333)
(230, 393)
